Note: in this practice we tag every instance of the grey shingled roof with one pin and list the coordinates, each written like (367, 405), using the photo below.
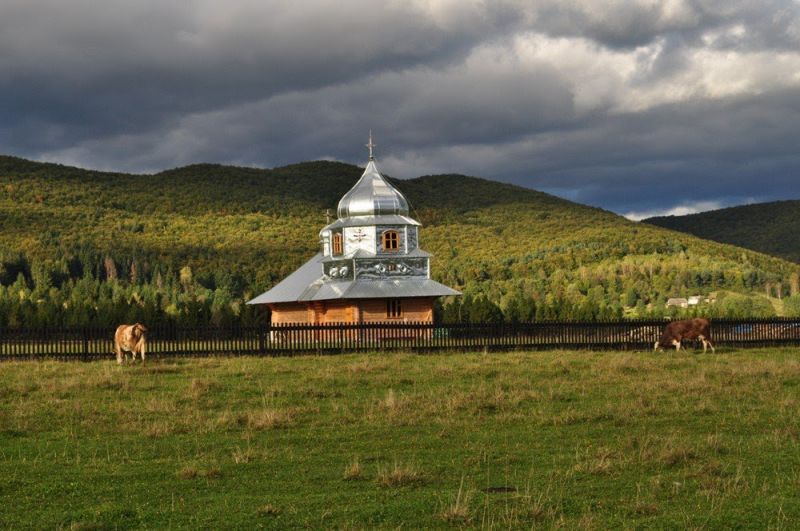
(306, 284)
(291, 288)
(364, 221)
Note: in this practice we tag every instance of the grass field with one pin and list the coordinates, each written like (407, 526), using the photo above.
(521, 440)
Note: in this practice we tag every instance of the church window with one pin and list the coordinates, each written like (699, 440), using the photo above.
(391, 240)
(391, 267)
(337, 243)
(394, 310)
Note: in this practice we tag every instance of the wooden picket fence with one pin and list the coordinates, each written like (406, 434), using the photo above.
(90, 343)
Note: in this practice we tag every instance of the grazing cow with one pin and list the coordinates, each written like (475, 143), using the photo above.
(677, 331)
(130, 338)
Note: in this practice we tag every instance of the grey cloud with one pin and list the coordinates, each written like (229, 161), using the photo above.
(770, 24)
(146, 86)
(491, 102)
(617, 24)
(731, 151)
(121, 67)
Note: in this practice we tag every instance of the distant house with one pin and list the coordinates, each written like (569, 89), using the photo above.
(694, 300)
(678, 301)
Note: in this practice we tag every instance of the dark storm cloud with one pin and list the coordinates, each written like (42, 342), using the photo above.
(637, 106)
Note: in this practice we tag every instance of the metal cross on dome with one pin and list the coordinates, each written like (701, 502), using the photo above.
(358, 235)
(370, 145)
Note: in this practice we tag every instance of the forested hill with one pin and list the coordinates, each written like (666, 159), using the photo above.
(770, 228)
(191, 244)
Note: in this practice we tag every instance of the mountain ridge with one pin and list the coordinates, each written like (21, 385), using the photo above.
(193, 236)
(770, 227)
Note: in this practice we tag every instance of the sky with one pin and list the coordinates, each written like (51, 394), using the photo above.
(639, 107)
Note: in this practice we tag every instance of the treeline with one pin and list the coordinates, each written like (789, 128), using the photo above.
(69, 293)
(525, 309)
(102, 291)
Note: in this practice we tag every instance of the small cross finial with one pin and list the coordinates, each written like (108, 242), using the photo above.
(370, 145)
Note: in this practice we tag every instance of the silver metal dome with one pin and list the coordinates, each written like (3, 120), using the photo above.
(372, 196)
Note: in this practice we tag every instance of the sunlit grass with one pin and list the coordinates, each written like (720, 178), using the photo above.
(520, 440)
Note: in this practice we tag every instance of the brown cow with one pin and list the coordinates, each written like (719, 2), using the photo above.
(677, 331)
(130, 338)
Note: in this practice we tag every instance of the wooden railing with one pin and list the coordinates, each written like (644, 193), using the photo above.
(288, 339)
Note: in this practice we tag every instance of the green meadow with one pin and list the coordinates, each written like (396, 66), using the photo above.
(515, 440)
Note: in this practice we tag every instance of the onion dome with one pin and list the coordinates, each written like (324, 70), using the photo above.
(372, 196)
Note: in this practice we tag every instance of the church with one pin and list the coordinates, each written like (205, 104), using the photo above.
(370, 267)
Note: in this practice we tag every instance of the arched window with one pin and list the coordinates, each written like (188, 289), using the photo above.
(337, 243)
(390, 240)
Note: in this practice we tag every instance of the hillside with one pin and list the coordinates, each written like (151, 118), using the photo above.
(770, 228)
(189, 244)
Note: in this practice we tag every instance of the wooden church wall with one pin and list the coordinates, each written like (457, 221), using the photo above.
(290, 312)
(338, 312)
(413, 310)
(350, 311)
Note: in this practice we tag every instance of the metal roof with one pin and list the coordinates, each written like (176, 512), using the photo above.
(291, 288)
(396, 289)
(307, 284)
(372, 196)
(362, 221)
(361, 253)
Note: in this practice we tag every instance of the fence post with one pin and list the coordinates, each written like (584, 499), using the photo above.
(262, 347)
(85, 343)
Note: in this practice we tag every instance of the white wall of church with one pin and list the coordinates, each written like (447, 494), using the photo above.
(359, 238)
(326, 243)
